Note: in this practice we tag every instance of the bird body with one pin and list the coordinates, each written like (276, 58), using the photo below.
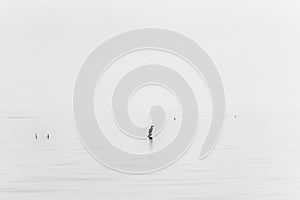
(150, 132)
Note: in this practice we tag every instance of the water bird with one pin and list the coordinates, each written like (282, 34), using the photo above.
(150, 132)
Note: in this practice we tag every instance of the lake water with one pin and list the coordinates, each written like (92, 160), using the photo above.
(256, 158)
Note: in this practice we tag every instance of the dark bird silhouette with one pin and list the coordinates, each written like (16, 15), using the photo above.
(36, 136)
(150, 132)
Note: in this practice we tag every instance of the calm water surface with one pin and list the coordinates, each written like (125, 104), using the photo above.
(257, 158)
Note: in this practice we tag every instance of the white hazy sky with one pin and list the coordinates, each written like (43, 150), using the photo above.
(254, 44)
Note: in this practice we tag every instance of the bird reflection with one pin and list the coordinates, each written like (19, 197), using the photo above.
(150, 145)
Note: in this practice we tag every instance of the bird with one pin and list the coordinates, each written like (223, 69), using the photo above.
(150, 132)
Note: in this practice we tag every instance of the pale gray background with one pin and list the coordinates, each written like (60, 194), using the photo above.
(255, 46)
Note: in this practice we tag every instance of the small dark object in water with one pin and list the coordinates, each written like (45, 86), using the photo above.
(150, 132)
(48, 136)
(36, 136)
(174, 118)
(235, 116)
